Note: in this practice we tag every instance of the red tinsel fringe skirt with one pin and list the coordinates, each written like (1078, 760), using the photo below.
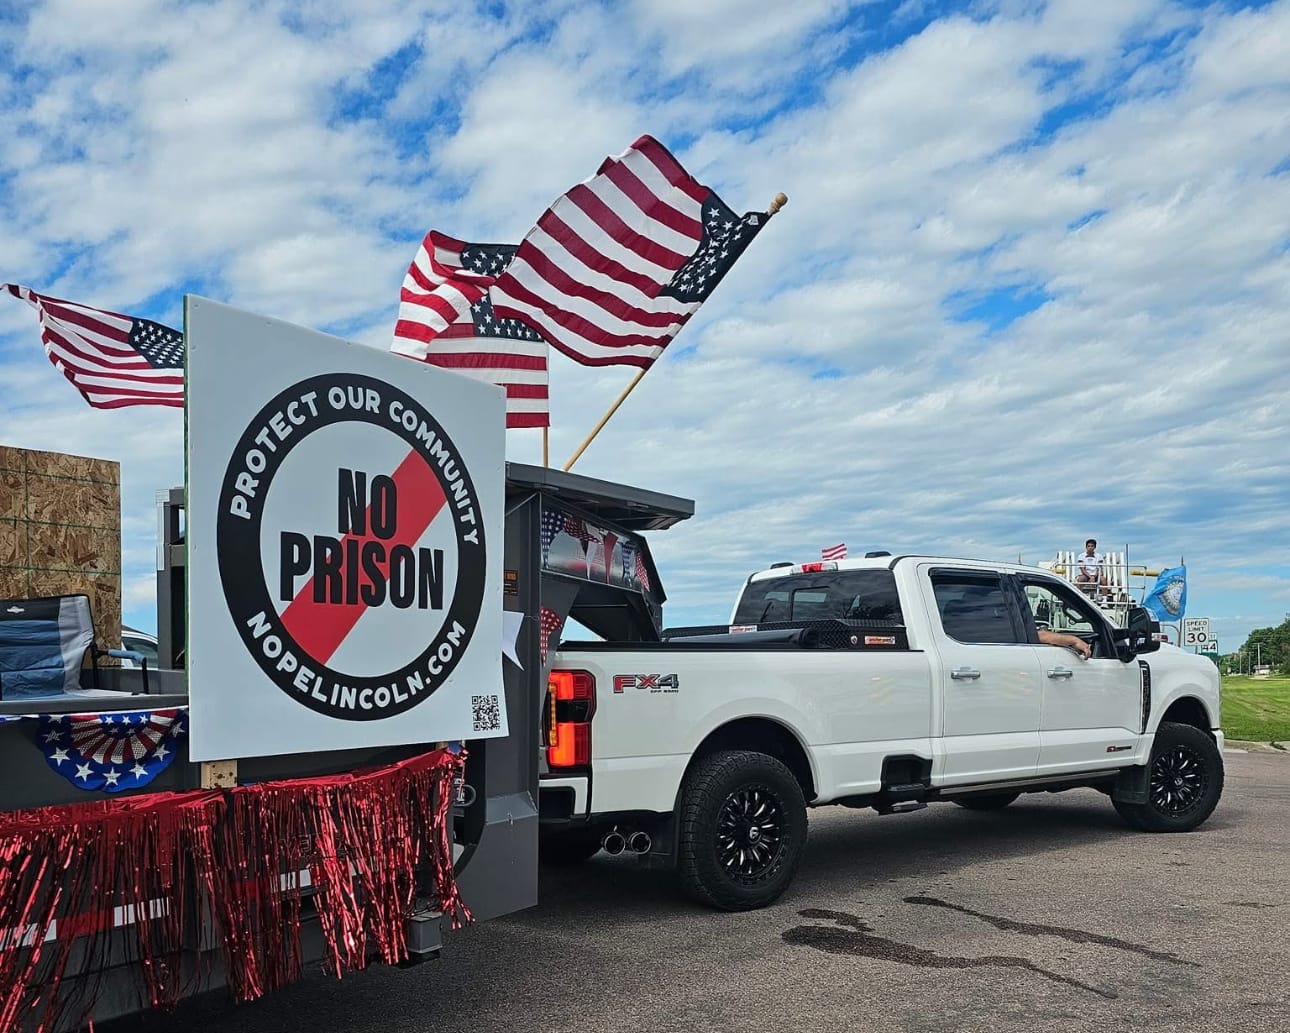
(238, 869)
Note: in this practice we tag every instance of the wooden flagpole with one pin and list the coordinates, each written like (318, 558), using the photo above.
(605, 419)
(780, 200)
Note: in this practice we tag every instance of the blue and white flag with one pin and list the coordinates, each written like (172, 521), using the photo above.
(1168, 600)
(113, 751)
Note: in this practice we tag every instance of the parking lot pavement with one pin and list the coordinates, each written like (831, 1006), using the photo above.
(1050, 914)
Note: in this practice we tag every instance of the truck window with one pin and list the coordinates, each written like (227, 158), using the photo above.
(1058, 610)
(974, 609)
(837, 595)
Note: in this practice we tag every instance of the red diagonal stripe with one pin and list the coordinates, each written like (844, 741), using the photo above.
(320, 628)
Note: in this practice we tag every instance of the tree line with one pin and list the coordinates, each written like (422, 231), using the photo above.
(1269, 646)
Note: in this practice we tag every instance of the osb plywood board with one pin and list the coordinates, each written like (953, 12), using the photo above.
(13, 544)
(60, 531)
(13, 583)
(13, 498)
(59, 500)
(95, 550)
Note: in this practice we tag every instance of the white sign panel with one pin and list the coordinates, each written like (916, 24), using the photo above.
(1195, 631)
(344, 523)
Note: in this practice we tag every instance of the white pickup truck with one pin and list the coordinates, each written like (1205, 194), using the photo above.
(881, 682)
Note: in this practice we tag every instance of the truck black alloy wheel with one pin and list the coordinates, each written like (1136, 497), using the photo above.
(987, 801)
(750, 832)
(742, 830)
(1177, 780)
(1184, 782)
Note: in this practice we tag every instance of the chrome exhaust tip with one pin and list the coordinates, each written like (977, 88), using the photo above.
(639, 842)
(614, 843)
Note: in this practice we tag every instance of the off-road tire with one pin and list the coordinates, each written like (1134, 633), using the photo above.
(721, 861)
(987, 801)
(572, 846)
(1184, 781)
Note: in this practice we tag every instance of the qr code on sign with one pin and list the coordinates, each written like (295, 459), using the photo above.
(487, 712)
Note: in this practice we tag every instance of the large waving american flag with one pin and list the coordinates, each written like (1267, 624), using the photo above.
(616, 266)
(447, 320)
(111, 359)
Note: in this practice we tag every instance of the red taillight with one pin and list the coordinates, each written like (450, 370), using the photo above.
(572, 685)
(572, 696)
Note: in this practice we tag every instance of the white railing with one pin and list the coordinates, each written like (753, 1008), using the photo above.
(1120, 584)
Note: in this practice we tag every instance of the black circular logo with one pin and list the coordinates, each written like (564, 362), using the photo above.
(345, 543)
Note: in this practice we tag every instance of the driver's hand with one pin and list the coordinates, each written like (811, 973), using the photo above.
(1081, 647)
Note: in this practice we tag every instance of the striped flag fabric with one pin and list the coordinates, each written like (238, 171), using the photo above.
(447, 320)
(834, 552)
(616, 266)
(113, 360)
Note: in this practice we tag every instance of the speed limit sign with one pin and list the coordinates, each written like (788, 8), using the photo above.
(1195, 631)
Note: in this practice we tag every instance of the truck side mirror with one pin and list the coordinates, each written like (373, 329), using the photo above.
(1139, 636)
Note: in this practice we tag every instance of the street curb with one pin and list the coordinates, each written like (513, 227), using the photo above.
(1244, 746)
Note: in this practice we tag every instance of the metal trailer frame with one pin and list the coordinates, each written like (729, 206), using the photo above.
(496, 832)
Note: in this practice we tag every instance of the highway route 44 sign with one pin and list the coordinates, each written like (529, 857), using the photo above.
(344, 536)
(1195, 631)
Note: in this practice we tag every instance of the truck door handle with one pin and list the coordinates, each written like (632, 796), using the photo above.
(1060, 672)
(965, 674)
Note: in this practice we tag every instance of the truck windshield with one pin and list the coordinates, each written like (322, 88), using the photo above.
(838, 595)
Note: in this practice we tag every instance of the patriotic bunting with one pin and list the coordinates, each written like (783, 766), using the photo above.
(552, 525)
(634, 565)
(111, 751)
(549, 623)
(114, 751)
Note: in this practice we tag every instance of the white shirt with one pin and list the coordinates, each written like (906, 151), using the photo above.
(1090, 566)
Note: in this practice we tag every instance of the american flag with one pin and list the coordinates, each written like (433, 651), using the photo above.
(615, 267)
(585, 534)
(447, 320)
(629, 559)
(576, 527)
(111, 359)
(552, 525)
(113, 751)
(548, 624)
(634, 564)
(834, 552)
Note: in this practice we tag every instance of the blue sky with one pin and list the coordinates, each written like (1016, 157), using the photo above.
(1031, 284)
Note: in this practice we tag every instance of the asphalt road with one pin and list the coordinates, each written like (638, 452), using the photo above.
(1050, 914)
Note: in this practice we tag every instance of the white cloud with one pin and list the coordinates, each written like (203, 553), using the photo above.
(284, 159)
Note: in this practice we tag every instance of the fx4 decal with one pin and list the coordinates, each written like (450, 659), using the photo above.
(652, 683)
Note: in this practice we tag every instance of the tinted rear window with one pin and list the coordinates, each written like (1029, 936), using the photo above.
(974, 609)
(843, 594)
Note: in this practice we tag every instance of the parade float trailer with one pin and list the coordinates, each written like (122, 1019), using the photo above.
(335, 759)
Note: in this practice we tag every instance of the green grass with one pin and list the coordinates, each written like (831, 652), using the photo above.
(1256, 709)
